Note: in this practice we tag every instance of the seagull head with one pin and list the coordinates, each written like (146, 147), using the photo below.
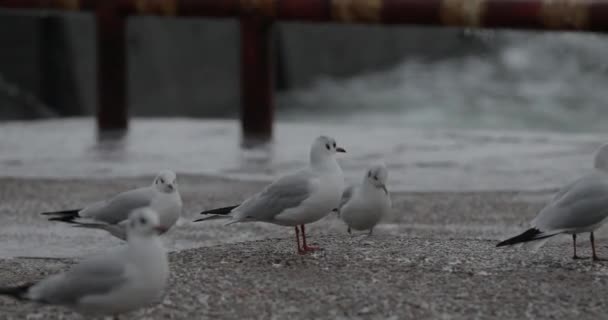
(166, 181)
(144, 222)
(324, 147)
(377, 176)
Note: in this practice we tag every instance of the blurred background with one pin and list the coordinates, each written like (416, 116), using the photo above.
(446, 108)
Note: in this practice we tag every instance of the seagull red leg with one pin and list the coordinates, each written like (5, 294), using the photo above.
(300, 250)
(595, 257)
(305, 246)
(574, 246)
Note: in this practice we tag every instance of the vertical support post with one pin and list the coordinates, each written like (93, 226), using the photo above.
(112, 116)
(58, 87)
(281, 80)
(257, 102)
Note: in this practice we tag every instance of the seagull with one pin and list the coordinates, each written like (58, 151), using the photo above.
(295, 199)
(119, 281)
(112, 214)
(364, 205)
(579, 207)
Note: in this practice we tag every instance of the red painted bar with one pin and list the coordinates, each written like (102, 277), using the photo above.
(213, 8)
(112, 112)
(598, 15)
(49, 4)
(257, 104)
(520, 14)
(311, 10)
(513, 14)
(183, 8)
(413, 11)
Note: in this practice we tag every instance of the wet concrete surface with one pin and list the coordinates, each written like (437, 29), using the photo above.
(427, 159)
(434, 258)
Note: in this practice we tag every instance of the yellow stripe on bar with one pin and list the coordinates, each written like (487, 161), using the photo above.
(356, 10)
(569, 14)
(164, 7)
(462, 12)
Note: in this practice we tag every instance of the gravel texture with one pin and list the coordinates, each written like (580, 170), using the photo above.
(434, 258)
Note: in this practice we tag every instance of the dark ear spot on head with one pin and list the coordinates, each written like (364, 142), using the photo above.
(327, 146)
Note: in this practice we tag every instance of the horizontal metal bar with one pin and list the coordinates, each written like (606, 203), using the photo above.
(70, 5)
(584, 15)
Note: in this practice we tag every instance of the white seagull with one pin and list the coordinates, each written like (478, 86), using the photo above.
(112, 214)
(295, 199)
(123, 280)
(579, 207)
(364, 205)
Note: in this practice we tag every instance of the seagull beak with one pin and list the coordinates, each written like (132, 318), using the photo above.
(160, 229)
(339, 149)
(383, 187)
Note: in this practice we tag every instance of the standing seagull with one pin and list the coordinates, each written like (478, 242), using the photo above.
(119, 281)
(581, 206)
(364, 205)
(295, 199)
(112, 214)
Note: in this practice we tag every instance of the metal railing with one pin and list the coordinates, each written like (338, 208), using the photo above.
(256, 18)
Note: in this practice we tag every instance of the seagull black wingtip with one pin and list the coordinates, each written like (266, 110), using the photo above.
(64, 213)
(63, 216)
(501, 244)
(221, 211)
(531, 234)
(18, 292)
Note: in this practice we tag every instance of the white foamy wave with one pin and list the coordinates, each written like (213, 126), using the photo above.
(535, 81)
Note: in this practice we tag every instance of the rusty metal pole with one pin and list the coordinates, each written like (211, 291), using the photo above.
(257, 102)
(112, 116)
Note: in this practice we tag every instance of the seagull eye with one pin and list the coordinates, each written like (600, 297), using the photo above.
(334, 144)
(369, 174)
(327, 146)
(142, 220)
(162, 181)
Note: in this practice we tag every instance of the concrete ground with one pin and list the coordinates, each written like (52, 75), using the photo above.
(434, 258)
